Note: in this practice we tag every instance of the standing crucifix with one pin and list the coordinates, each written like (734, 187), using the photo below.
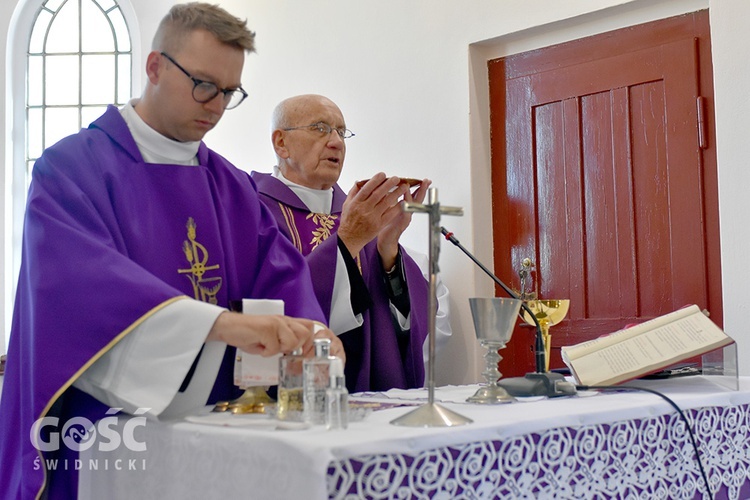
(432, 414)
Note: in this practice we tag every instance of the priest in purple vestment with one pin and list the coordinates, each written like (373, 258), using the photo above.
(369, 286)
(135, 241)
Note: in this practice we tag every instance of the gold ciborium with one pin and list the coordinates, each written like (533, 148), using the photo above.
(548, 312)
(255, 399)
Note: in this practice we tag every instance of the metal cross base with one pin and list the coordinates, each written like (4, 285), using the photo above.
(432, 414)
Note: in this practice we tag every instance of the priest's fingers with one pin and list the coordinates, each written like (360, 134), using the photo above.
(308, 349)
(262, 334)
(368, 215)
(295, 333)
(250, 333)
(419, 195)
(393, 214)
(388, 198)
(283, 335)
(337, 348)
(398, 220)
(379, 190)
(367, 187)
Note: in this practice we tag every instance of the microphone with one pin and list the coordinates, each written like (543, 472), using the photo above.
(539, 344)
(539, 383)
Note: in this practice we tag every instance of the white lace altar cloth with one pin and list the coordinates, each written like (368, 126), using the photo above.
(633, 459)
(592, 446)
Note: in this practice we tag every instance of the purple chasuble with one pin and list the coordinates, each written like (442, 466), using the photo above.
(109, 240)
(374, 360)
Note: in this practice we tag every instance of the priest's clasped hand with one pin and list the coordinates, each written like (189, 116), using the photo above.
(373, 210)
(271, 334)
(368, 209)
(389, 235)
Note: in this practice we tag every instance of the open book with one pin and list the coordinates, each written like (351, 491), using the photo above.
(644, 348)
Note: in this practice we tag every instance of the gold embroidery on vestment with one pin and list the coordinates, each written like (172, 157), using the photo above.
(293, 233)
(204, 288)
(325, 223)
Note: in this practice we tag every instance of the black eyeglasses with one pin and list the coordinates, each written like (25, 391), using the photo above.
(325, 130)
(205, 91)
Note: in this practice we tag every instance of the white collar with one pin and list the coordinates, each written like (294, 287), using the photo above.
(154, 147)
(316, 200)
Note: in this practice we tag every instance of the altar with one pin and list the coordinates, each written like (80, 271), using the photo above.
(592, 445)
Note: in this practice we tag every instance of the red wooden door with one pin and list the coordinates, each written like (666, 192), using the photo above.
(604, 175)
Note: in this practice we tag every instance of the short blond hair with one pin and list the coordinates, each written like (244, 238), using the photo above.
(182, 19)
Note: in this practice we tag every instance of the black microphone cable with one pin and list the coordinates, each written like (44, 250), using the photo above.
(684, 419)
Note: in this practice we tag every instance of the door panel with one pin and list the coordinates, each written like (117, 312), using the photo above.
(599, 178)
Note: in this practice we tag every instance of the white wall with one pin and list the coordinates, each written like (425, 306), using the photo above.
(410, 78)
(6, 12)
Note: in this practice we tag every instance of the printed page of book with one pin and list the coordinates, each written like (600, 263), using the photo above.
(584, 348)
(652, 349)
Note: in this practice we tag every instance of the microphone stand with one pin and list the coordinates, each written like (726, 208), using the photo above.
(540, 382)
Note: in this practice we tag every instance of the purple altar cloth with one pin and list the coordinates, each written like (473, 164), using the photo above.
(641, 458)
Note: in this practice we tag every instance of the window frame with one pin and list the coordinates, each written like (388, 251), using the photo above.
(15, 175)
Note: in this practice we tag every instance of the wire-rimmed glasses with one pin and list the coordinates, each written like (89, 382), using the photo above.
(324, 129)
(204, 91)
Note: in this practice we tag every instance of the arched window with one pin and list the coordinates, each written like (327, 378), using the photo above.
(69, 59)
(79, 60)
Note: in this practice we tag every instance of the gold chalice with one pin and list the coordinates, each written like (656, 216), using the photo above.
(548, 312)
